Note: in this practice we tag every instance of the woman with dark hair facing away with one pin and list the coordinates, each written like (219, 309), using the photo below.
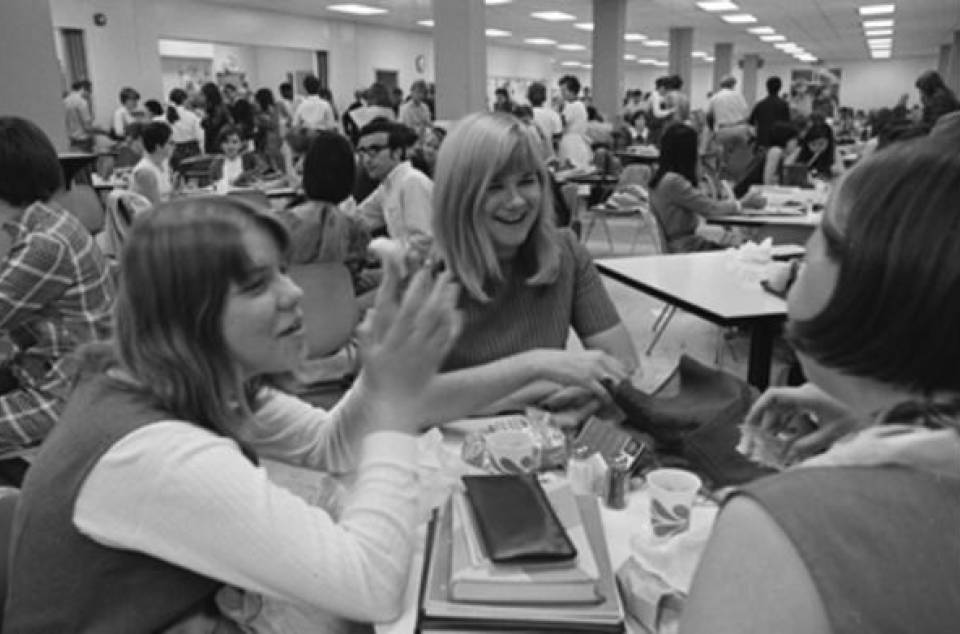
(319, 230)
(55, 288)
(675, 197)
(767, 166)
(935, 97)
(267, 138)
(151, 177)
(216, 116)
(188, 136)
(873, 317)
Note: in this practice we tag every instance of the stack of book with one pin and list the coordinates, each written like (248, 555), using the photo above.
(464, 591)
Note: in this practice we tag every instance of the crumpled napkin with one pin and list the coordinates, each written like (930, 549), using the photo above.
(751, 261)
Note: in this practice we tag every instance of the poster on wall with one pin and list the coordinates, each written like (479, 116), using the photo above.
(815, 89)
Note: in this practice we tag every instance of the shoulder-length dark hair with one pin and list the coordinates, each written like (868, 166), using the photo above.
(895, 232)
(176, 270)
(329, 168)
(29, 167)
(678, 154)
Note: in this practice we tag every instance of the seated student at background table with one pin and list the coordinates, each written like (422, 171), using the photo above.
(147, 503)
(401, 202)
(235, 168)
(55, 288)
(525, 282)
(818, 149)
(675, 197)
(319, 230)
(766, 168)
(151, 176)
(864, 535)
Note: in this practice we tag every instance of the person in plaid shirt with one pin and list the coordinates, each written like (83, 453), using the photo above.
(55, 288)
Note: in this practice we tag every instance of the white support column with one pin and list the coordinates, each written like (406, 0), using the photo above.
(722, 62)
(460, 57)
(751, 63)
(943, 62)
(952, 77)
(609, 26)
(31, 75)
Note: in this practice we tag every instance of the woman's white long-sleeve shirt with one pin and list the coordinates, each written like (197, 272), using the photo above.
(182, 494)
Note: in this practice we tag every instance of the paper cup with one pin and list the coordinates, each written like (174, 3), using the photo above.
(672, 492)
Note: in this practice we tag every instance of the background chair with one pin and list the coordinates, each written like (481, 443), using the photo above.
(196, 169)
(122, 207)
(331, 314)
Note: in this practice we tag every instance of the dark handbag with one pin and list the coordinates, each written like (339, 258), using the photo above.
(697, 429)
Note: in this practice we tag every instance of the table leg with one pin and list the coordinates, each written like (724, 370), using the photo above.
(761, 353)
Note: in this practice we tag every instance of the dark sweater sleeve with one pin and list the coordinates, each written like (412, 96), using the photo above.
(691, 199)
(593, 310)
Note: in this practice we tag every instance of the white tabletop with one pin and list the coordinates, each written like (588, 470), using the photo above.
(808, 221)
(710, 282)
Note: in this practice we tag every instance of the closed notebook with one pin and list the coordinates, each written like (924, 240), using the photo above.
(515, 520)
(475, 578)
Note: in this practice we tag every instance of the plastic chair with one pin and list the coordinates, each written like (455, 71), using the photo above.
(122, 207)
(84, 203)
(196, 169)
(331, 314)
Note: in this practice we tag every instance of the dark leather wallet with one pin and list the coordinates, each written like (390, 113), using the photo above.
(516, 521)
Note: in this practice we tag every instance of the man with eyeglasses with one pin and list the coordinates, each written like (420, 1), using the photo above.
(401, 203)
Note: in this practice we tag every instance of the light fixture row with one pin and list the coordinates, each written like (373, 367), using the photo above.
(731, 15)
(878, 32)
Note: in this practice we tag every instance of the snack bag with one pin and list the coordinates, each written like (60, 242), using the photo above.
(517, 444)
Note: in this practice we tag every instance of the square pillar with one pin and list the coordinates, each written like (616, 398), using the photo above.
(460, 57)
(943, 62)
(751, 64)
(952, 78)
(609, 26)
(722, 62)
(681, 55)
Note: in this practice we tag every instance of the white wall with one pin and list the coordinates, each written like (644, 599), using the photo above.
(273, 64)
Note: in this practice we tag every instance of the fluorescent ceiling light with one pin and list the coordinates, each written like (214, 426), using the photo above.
(880, 54)
(584, 26)
(498, 33)
(708, 59)
(761, 30)
(878, 32)
(570, 63)
(540, 41)
(660, 64)
(656, 43)
(629, 57)
(739, 18)
(356, 9)
(587, 66)
(647, 60)
(807, 58)
(773, 38)
(876, 9)
(718, 5)
(699, 54)
(634, 37)
(427, 23)
(878, 24)
(571, 47)
(881, 42)
(785, 46)
(553, 16)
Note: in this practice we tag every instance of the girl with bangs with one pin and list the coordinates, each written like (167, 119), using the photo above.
(146, 510)
(525, 282)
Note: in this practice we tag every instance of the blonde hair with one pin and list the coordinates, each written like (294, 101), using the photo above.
(481, 147)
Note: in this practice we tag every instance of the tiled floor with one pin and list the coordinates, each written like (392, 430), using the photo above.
(685, 333)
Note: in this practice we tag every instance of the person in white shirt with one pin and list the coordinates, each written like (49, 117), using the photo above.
(729, 111)
(415, 113)
(402, 201)
(151, 177)
(314, 112)
(188, 134)
(148, 500)
(127, 113)
(574, 147)
(547, 119)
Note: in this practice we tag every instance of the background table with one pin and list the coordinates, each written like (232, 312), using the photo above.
(782, 229)
(644, 158)
(709, 286)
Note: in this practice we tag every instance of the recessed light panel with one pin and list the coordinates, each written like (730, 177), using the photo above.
(498, 33)
(877, 9)
(426, 23)
(878, 24)
(739, 18)
(553, 16)
(540, 41)
(634, 37)
(718, 5)
(629, 57)
(773, 38)
(571, 47)
(880, 54)
(878, 32)
(570, 63)
(761, 30)
(584, 26)
(656, 43)
(356, 9)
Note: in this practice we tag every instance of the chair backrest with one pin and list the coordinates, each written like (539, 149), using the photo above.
(84, 203)
(122, 207)
(330, 309)
(197, 169)
(8, 506)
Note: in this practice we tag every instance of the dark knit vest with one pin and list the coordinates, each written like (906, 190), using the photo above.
(59, 579)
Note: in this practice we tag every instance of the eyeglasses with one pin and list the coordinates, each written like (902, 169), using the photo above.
(370, 151)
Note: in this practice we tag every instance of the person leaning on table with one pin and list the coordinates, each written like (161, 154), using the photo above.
(526, 283)
(675, 197)
(864, 537)
(146, 509)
